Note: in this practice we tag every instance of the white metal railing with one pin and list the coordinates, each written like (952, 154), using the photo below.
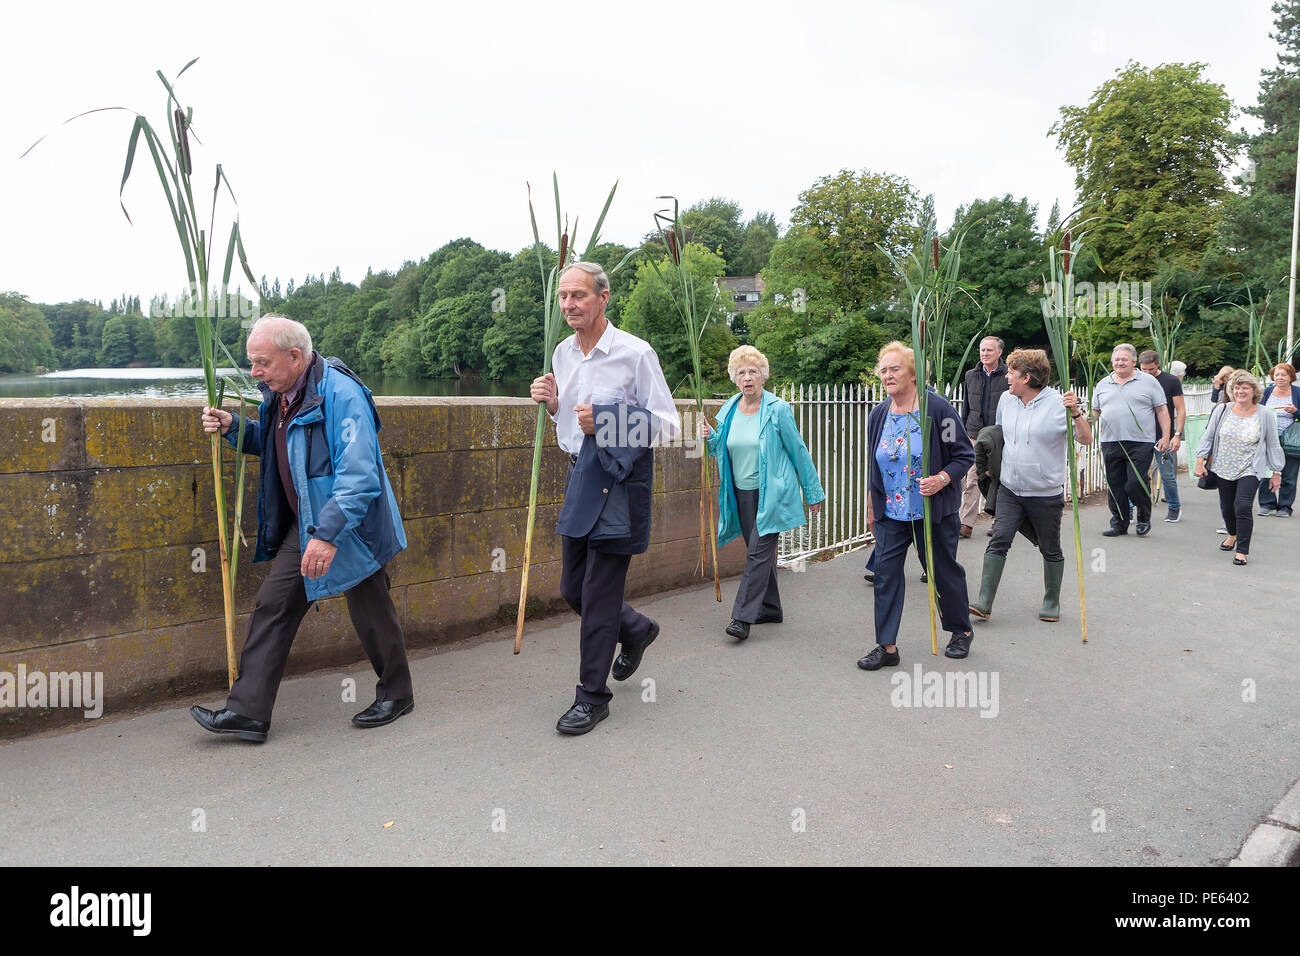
(833, 422)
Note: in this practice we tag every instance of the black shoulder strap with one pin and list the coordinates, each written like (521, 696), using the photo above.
(338, 365)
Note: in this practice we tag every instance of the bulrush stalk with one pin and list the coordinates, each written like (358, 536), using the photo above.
(175, 168)
(681, 289)
(1059, 315)
(553, 323)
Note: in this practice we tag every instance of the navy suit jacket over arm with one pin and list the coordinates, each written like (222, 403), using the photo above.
(608, 496)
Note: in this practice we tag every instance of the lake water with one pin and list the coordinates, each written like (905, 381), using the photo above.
(188, 383)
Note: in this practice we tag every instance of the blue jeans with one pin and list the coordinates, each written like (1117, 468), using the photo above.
(1285, 496)
(1167, 462)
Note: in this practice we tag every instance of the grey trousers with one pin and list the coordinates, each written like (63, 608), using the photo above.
(758, 595)
(281, 605)
(1038, 519)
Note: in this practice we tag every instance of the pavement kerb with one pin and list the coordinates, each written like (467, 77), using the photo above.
(1275, 841)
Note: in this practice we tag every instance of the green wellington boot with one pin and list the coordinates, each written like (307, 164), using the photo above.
(1052, 574)
(989, 578)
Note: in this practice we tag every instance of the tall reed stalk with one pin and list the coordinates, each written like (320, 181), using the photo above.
(681, 289)
(1060, 315)
(553, 325)
(173, 162)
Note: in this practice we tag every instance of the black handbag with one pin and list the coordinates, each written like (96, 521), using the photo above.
(1209, 481)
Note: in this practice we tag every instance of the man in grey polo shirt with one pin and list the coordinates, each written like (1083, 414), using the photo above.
(1128, 402)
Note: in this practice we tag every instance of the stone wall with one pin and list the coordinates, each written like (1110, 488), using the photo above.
(109, 561)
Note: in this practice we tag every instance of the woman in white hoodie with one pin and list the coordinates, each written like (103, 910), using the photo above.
(1033, 419)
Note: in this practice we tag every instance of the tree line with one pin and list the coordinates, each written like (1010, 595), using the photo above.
(1153, 150)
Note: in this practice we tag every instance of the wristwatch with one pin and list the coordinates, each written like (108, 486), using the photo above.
(1178, 434)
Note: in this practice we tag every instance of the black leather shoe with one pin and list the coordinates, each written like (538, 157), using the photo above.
(738, 630)
(629, 659)
(925, 578)
(1143, 527)
(581, 717)
(384, 712)
(770, 619)
(870, 578)
(1115, 531)
(959, 646)
(878, 658)
(229, 722)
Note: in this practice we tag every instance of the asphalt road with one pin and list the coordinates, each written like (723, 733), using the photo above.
(1162, 741)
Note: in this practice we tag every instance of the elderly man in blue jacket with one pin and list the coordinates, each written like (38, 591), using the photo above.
(326, 519)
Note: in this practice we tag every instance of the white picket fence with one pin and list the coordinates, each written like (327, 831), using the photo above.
(833, 422)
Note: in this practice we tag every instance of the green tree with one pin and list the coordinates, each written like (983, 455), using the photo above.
(26, 342)
(115, 348)
(843, 222)
(1003, 256)
(716, 225)
(1149, 151)
(651, 315)
(756, 244)
(451, 335)
(1257, 225)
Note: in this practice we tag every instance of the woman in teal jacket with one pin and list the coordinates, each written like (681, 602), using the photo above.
(766, 474)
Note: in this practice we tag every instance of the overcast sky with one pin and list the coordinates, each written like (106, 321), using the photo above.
(365, 134)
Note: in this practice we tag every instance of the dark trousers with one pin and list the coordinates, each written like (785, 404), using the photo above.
(892, 541)
(1285, 497)
(1237, 505)
(758, 595)
(1127, 465)
(281, 604)
(593, 582)
(1038, 519)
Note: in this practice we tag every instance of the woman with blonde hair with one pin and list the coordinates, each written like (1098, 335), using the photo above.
(898, 490)
(766, 475)
(1239, 446)
(1218, 391)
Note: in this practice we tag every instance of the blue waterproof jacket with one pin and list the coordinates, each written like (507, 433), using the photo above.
(785, 470)
(344, 497)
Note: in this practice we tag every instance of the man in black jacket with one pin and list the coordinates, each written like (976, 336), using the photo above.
(985, 384)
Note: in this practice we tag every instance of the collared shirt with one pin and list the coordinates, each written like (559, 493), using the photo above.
(286, 408)
(1128, 408)
(1033, 444)
(620, 370)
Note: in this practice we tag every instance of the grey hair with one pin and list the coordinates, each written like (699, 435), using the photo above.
(1001, 345)
(284, 332)
(1128, 348)
(1177, 368)
(594, 270)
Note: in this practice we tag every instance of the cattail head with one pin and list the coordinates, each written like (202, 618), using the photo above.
(183, 139)
(922, 343)
(564, 242)
(1066, 247)
(934, 250)
(673, 249)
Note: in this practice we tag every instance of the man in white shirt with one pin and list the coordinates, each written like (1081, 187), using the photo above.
(609, 401)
